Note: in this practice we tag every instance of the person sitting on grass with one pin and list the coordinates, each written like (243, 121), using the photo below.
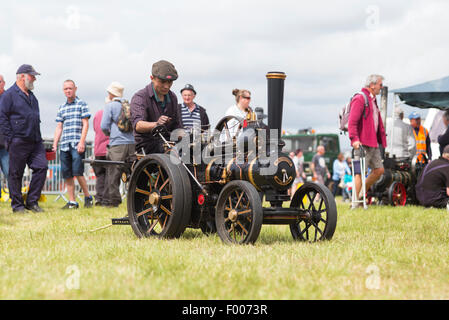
(432, 189)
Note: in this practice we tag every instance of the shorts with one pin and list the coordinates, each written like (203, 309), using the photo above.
(373, 158)
(320, 179)
(72, 163)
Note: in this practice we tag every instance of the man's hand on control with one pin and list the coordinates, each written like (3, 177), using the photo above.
(163, 120)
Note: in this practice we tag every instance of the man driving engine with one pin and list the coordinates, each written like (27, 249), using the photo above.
(155, 105)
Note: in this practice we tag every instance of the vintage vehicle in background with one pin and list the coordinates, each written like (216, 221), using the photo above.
(396, 186)
(308, 141)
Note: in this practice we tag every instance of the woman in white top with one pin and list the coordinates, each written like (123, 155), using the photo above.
(240, 109)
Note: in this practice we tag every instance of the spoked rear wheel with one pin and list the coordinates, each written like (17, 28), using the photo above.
(319, 205)
(158, 200)
(239, 214)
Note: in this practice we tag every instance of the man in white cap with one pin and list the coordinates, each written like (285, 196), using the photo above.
(72, 126)
(121, 142)
(401, 142)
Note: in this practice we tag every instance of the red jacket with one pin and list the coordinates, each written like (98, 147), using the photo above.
(101, 141)
(361, 128)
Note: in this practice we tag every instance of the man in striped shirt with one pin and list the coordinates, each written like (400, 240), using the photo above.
(190, 113)
(72, 124)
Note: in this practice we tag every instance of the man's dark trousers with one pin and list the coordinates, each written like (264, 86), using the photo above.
(100, 182)
(113, 173)
(22, 153)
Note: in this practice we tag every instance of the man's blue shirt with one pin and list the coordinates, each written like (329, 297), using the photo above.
(109, 124)
(19, 115)
(71, 114)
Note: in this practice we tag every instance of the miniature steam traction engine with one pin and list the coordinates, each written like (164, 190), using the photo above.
(397, 185)
(224, 190)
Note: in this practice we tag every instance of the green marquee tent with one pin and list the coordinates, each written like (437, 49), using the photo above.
(431, 94)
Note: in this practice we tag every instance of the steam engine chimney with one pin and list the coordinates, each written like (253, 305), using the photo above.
(275, 100)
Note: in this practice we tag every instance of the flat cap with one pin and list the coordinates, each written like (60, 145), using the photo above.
(28, 69)
(188, 87)
(164, 70)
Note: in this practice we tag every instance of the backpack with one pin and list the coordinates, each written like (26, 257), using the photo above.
(124, 119)
(344, 113)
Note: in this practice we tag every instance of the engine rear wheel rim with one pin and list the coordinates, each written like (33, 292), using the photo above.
(319, 207)
(155, 189)
(223, 130)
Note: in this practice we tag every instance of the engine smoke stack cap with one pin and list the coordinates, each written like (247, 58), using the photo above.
(276, 75)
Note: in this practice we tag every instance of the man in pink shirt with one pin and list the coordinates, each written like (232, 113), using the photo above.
(365, 128)
(100, 150)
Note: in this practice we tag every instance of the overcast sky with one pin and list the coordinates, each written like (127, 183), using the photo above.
(326, 48)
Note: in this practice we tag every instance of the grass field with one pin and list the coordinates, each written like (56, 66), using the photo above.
(379, 253)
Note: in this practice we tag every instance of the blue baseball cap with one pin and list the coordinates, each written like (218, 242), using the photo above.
(28, 69)
(414, 115)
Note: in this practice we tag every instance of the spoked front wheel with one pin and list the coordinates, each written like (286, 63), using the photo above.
(239, 214)
(319, 218)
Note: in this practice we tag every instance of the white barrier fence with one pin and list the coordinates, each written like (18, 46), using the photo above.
(55, 184)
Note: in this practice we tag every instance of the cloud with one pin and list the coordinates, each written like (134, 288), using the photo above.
(326, 49)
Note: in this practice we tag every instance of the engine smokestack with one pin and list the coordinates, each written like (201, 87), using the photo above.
(275, 99)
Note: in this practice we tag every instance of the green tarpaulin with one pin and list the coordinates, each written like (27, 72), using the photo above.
(432, 94)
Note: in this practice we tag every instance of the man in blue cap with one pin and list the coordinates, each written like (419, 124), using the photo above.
(20, 124)
(422, 138)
